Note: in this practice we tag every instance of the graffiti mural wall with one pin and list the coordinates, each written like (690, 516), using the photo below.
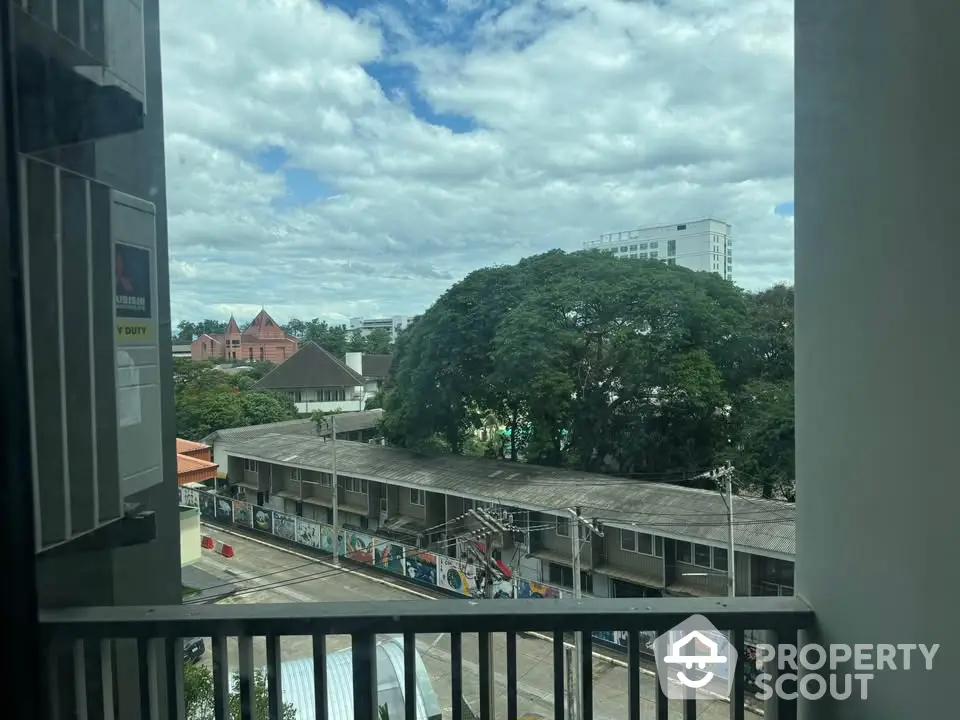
(224, 509)
(530, 589)
(308, 533)
(389, 556)
(359, 547)
(284, 526)
(421, 567)
(456, 576)
(263, 519)
(208, 505)
(189, 497)
(243, 513)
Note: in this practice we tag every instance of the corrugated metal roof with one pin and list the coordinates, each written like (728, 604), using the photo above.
(298, 688)
(760, 526)
(346, 422)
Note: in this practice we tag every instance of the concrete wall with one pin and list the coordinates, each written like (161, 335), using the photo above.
(189, 536)
(877, 338)
(408, 509)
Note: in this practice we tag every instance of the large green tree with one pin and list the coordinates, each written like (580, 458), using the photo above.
(599, 364)
(198, 695)
(208, 399)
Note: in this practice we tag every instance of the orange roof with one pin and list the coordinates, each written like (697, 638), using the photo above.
(188, 445)
(185, 464)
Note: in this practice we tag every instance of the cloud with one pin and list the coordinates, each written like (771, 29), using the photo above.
(357, 160)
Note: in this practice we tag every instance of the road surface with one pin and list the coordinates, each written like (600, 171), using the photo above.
(265, 573)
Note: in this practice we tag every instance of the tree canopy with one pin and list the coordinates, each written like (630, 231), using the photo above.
(198, 695)
(590, 362)
(208, 399)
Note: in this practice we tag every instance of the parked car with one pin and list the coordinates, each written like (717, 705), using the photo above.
(193, 650)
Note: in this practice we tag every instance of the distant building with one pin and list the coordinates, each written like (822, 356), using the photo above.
(182, 351)
(393, 325)
(263, 339)
(316, 380)
(374, 369)
(700, 245)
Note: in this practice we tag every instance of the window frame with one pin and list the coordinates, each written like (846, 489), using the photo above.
(713, 559)
(709, 565)
(251, 466)
(562, 522)
(417, 497)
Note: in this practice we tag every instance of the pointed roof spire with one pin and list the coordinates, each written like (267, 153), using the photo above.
(232, 326)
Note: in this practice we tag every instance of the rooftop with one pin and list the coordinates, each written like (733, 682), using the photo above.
(760, 526)
(187, 446)
(346, 422)
(310, 367)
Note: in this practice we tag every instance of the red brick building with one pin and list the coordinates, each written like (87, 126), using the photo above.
(263, 339)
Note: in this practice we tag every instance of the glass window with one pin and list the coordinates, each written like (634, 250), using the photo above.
(684, 552)
(701, 555)
(720, 559)
(628, 540)
(563, 527)
(644, 543)
(250, 465)
(416, 497)
(633, 248)
(671, 247)
(623, 248)
(654, 255)
(643, 246)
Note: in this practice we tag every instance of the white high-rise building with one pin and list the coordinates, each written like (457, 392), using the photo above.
(698, 245)
(392, 325)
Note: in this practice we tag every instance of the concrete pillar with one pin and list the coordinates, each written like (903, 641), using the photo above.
(878, 338)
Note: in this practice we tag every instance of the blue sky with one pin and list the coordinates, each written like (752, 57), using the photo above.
(357, 158)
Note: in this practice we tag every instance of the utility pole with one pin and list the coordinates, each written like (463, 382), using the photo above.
(335, 493)
(492, 525)
(576, 521)
(726, 475)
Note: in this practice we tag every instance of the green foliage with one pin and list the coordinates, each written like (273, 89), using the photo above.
(332, 338)
(208, 399)
(384, 712)
(603, 365)
(198, 695)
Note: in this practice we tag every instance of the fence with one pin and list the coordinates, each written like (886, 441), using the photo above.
(423, 567)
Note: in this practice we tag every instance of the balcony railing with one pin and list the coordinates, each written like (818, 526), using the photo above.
(84, 668)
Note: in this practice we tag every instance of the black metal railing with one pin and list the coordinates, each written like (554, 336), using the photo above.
(85, 670)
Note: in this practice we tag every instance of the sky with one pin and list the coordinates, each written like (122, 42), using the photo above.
(349, 158)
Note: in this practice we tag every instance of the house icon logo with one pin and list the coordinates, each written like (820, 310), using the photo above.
(695, 656)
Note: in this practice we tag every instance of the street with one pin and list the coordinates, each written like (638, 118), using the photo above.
(270, 574)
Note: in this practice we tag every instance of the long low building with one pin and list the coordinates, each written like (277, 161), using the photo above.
(658, 537)
(360, 426)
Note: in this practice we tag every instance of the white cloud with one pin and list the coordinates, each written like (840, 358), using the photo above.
(591, 116)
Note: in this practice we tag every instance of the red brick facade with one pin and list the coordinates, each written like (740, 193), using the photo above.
(263, 339)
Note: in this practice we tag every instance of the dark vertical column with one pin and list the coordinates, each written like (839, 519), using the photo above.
(74, 249)
(20, 635)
